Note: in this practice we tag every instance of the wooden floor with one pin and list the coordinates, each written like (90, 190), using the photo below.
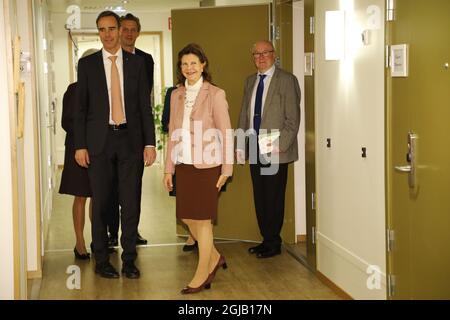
(165, 268)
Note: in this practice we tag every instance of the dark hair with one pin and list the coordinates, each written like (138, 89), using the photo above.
(195, 49)
(131, 17)
(108, 13)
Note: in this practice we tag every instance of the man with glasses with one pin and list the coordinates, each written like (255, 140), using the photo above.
(271, 104)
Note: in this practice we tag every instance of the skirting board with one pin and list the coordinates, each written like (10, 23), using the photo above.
(348, 271)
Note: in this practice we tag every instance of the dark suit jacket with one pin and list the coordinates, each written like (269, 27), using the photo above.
(68, 113)
(92, 109)
(166, 111)
(149, 65)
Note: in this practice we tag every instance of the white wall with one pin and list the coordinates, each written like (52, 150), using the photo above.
(299, 71)
(6, 203)
(350, 110)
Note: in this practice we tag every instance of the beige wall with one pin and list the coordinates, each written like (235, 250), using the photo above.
(6, 205)
(31, 169)
(350, 189)
(239, 2)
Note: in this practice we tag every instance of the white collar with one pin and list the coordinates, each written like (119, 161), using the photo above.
(196, 86)
(106, 54)
(269, 72)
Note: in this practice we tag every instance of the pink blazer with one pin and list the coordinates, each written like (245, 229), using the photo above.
(210, 111)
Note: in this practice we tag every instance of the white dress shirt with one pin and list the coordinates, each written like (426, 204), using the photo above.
(269, 74)
(107, 64)
(185, 156)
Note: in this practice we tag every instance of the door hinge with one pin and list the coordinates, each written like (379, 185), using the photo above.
(313, 235)
(313, 201)
(388, 57)
(390, 10)
(391, 285)
(311, 25)
(390, 240)
(50, 184)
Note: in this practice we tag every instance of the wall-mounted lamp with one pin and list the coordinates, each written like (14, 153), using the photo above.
(334, 35)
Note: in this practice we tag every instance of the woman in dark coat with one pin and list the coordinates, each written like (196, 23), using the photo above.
(74, 179)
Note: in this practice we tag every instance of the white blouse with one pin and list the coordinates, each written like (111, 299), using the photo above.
(185, 156)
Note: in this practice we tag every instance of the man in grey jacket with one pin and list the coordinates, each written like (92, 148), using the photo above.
(270, 116)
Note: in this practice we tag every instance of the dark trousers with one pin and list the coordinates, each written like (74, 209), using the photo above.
(268, 194)
(117, 168)
(113, 221)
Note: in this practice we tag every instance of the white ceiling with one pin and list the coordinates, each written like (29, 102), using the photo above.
(131, 5)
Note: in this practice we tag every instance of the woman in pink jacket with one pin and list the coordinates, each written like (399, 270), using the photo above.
(200, 151)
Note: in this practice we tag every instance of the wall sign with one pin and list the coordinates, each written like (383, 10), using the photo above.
(399, 60)
(309, 63)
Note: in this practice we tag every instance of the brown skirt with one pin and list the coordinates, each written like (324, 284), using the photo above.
(197, 195)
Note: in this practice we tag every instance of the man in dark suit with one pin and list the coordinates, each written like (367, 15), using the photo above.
(130, 28)
(114, 139)
(271, 102)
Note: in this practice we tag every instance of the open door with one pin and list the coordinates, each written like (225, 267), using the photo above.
(227, 34)
(418, 163)
(310, 138)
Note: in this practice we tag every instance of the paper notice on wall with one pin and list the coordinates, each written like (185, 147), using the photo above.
(267, 141)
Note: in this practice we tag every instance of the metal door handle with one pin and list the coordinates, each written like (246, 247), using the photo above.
(412, 159)
(406, 169)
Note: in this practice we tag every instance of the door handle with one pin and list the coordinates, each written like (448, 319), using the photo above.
(411, 157)
(406, 169)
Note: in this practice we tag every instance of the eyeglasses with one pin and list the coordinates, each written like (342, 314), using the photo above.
(265, 54)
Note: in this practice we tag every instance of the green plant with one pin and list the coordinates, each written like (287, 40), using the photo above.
(157, 115)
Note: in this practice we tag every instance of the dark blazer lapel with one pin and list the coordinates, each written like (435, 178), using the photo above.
(102, 78)
(270, 93)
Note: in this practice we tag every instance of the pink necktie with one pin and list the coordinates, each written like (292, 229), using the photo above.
(116, 93)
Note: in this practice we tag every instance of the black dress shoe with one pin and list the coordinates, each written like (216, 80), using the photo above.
(130, 270)
(81, 256)
(268, 253)
(113, 241)
(190, 247)
(257, 249)
(106, 270)
(140, 240)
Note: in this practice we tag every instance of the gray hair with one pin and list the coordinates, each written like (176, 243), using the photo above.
(262, 41)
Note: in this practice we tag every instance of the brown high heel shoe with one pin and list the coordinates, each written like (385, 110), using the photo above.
(204, 285)
(220, 264)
